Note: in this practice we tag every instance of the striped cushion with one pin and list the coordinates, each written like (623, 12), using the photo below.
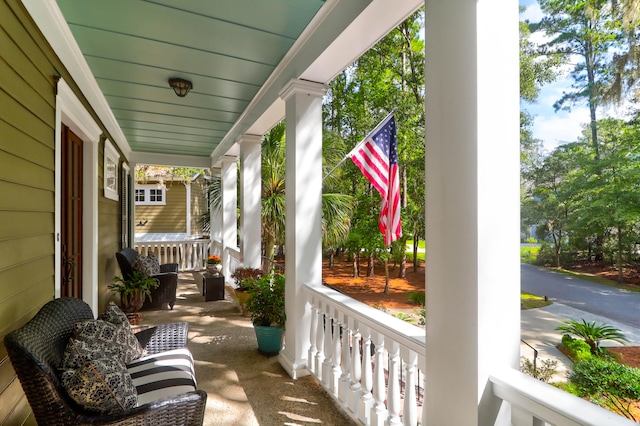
(163, 375)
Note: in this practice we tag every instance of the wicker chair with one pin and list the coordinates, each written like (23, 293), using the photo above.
(168, 278)
(36, 352)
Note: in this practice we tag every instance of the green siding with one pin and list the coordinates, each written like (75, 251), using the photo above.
(28, 73)
(27, 121)
(170, 218)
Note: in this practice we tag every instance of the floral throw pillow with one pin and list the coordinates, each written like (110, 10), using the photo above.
(148, 265)
(111, 337)
(114, 315)
(103, 385)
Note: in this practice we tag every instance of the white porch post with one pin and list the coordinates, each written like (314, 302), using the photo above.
(472, 199)
(229, 210)
(303, 215)
(132, 204)
(215, 214)
(250, 200)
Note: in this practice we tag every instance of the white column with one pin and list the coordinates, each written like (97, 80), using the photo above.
(303, 237)
(472, 205)
(250, 200)
(132, 204)
(229, 210)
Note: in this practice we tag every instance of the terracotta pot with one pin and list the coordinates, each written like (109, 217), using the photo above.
(134, 302)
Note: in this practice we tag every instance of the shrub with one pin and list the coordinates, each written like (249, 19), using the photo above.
(592, 333)
(417, 298)
(544, 369)
(578, 350)
(607, 383)
(404, 317)
(242, 276)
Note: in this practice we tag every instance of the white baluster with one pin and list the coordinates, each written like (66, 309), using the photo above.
(393, 395)
(355, 388)
(366, 381)
(379, 412)
(336, 369)
(410, 412)
(320, 344)
(345, 378)
(312, 339)
(328, 352)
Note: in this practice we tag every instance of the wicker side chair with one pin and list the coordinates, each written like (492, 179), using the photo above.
(168, 278)
(36, 349)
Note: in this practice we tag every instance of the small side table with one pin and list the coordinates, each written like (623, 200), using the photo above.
(213, 287)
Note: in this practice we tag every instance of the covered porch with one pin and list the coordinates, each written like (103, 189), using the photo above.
(472, 187)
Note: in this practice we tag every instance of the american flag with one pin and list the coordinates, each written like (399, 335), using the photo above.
(377, 158)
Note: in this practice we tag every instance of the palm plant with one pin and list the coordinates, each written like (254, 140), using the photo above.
(592, 333)
(336, 208)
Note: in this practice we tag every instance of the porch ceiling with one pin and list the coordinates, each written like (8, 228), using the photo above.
(238, 55)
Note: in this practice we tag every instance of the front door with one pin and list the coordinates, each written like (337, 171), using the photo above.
(71, 235)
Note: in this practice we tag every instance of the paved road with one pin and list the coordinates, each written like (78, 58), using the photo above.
(618, 305)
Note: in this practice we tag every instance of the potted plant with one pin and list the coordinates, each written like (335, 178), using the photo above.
(213, 264)
(243, 278)
(133, 291)
(267, 309)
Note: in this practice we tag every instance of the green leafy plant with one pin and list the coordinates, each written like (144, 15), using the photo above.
(134, 290)
(577, 349)
(417, 298)
(266, 300)
(592, 333)
(404, 317)
(243, 276)
(609, 384)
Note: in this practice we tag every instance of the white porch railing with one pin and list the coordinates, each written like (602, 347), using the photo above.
(231, 258)
(349, 339)
(190, 255)
(534, 403)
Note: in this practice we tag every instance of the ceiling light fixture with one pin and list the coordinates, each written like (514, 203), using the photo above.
(180, 86)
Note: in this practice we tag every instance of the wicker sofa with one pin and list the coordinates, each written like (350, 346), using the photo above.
(36, 352)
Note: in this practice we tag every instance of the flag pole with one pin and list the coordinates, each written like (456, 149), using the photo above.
(375, 129)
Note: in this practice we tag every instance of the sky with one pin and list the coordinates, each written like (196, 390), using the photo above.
(553, 128)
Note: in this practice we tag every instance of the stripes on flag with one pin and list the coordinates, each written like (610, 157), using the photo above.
(377, 158)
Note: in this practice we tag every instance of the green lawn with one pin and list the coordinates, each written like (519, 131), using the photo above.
(531, 301)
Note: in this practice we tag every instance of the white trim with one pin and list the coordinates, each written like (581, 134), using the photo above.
(146, 201)
(110, 155)
(71, 112)
(53, 26)
(188, 186)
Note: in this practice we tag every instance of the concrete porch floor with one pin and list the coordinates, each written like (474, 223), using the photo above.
(243, 386)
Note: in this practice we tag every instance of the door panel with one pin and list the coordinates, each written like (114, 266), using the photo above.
(71, 235)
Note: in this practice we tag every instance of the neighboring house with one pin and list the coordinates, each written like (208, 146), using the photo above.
(172, 205)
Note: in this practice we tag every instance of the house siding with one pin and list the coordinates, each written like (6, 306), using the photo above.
(27, 121)
(170, 218)
(28, 74)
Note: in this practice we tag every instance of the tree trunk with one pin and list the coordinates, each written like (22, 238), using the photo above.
(331, 253)
(356, 265)
(386, 277)
(371, 264)
(416, 240)
(403, 267)
(620, 278)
